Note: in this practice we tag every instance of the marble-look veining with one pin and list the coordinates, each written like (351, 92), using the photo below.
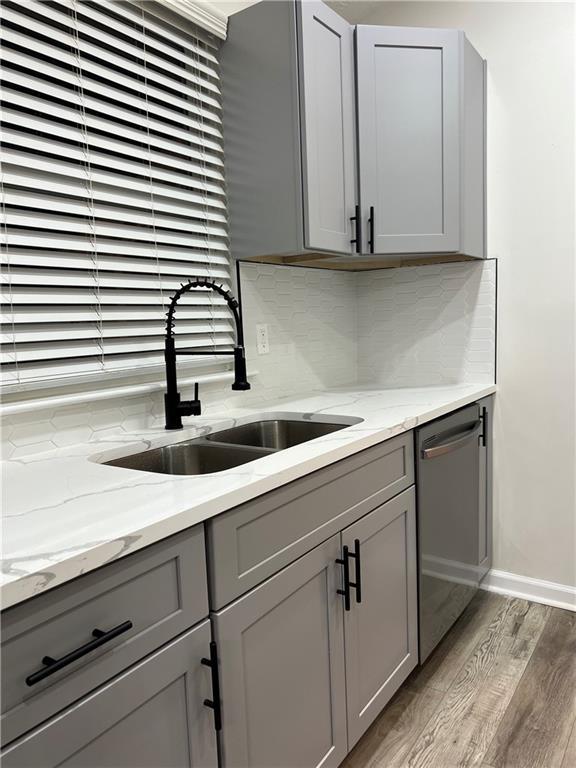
(64, 513)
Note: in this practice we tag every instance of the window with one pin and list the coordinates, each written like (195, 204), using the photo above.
(112, 187)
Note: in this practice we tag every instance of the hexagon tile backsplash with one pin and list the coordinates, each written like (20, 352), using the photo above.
(414, 326)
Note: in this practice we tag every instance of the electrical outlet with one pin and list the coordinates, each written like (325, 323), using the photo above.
(262, 345)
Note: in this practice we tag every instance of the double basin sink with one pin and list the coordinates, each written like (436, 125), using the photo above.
(228, 448)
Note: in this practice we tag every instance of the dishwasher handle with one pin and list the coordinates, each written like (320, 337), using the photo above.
(436, 448)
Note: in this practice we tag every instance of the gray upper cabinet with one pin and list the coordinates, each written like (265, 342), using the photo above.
(289, 129)
(381, 630)
(300, 95)
(151, 716)
(282, 683)
(421, 141)
(326, 51)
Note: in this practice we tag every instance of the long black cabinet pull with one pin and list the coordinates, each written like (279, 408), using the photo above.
(343, 561)
(357, 240)
(54, 665)
(357, 583)
(214, 703)
(371, 230)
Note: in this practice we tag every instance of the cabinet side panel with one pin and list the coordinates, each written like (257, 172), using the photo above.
(473, 182)
(261, 131)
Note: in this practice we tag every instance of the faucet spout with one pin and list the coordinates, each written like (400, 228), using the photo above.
(174, 407)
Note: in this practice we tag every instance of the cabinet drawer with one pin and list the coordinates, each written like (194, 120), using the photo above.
(257, 539)
(152, 716)
(161, 591)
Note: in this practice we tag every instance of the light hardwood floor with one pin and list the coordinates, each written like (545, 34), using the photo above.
(498, 692)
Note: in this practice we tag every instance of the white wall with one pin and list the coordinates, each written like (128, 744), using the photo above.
(530, 53)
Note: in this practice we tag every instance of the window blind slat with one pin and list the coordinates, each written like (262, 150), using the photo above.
(205, 163)
(39, 92)
(172, 110)
(113, 189)
(169, 74)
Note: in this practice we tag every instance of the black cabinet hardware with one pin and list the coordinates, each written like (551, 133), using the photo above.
(357, 240)
(484, 420)
(357, 583)
(54, 665)
(371, 230)
(343, 561)
(214, 702)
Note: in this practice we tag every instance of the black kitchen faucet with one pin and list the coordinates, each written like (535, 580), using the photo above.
(174, 407)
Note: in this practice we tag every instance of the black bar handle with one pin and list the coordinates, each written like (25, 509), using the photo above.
(343, 561)
(357, 240)
(371, 230)
(357, 583)
(214, 703)
(54, 665)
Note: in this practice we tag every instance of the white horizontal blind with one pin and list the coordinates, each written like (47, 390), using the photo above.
(112, 187)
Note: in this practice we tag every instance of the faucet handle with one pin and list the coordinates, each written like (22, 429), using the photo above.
(191, 407)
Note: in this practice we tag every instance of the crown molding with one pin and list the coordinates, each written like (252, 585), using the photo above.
(205, 14)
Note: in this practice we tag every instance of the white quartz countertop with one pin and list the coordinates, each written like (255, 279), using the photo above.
(64, 513)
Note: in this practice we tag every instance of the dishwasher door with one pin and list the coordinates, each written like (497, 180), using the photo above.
(448, 478)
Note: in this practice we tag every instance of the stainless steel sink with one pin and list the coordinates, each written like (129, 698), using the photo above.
(227, 449)
(275, 434)
(193, 457)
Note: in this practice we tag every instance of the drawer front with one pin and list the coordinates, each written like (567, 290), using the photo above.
(151, 716)
(254, 541)
(161, 591)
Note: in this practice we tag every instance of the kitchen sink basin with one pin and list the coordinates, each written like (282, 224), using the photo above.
(193, 457)
(228, 448)
(275, 434)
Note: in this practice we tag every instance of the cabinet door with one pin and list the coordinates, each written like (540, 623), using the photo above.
(408, 138)
(326, 65)
(152, 716)
(281, 652)
(381, 630)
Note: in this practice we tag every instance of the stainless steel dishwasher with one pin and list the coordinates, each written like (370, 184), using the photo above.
(452, 514)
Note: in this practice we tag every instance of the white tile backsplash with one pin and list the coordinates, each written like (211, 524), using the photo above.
(413, 326)
(433, 324)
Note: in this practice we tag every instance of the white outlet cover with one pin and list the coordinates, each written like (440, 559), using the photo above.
(262, 344)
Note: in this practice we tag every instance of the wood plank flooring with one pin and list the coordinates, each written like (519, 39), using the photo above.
(498, 692)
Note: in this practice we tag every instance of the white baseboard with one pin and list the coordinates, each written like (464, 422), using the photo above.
(536, 590)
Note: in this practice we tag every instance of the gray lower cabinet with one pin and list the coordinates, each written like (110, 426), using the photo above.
(381, 630)
(282, 679)
(304, 670)
(134, 605)
(151, 716)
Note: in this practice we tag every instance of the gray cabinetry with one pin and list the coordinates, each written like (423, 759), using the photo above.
(289, 129)
(151, 596)
(151, 716)
(421, 140)
(381, 631)
(408, 137)
(297, 96)
(282, 668)
(326, 70)
(257, 539)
